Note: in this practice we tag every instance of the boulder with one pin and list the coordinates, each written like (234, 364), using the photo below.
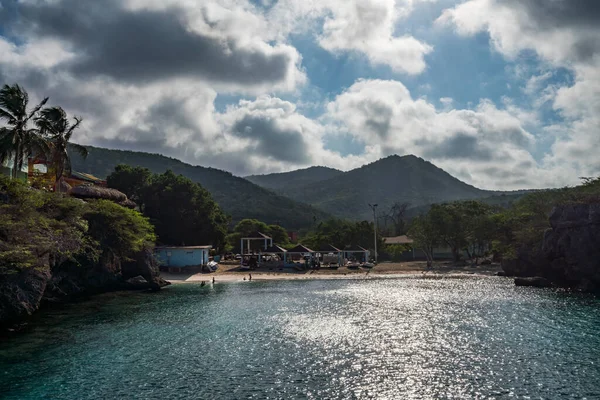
(536, 281)
(21, 294)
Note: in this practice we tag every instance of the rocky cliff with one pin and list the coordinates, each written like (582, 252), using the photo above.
(23, 293)
(569, 255)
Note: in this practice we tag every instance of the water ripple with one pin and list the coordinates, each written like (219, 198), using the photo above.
(408, 338)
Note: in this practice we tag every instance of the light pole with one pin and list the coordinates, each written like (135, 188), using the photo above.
(374, 208)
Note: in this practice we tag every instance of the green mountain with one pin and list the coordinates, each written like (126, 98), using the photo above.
(238, 197)
(287, 181)
(407, 179)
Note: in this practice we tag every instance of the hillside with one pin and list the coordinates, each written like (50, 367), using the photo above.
(286, 181)
(407, 179)
(237, 196)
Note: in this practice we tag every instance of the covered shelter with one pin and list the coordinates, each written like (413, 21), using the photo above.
(300, 250)
(358, 252)
(331, 254)
(274, 250)
(255, 236)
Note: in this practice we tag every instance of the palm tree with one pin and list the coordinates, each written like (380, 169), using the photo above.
(54, 124)
(17, 140)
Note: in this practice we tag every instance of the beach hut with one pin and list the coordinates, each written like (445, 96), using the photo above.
(275, 250)
(360, 253)
(178, 257)
(255, 236)
(331, 254)
(298, 250)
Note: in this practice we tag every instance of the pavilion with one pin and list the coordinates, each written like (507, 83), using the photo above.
(255, 236)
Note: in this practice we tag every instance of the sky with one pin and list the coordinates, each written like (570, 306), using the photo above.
(502, 94)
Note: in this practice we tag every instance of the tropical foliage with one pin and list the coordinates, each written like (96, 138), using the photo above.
(246, 227)
(54, 124)
(18, 139)
(41, 230)
(183, 212)
(35, 132)
(343, 234)
(236, 196)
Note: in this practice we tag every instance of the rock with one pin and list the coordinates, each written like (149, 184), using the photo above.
(21, 294)
(536, 281)
(137, 280)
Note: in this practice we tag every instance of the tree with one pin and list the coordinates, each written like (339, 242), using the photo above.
(17, 139)
(133, 181)
(397, 218)
(279, 235)
(425, 235)
(54, 124)
(183, 212)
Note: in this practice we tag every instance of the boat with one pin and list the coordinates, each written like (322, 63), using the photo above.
(212, 266)
(367, 265)
(352, 265)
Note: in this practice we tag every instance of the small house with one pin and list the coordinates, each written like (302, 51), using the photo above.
(182, 256)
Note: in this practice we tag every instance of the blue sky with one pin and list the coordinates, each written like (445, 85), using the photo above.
(272, 85)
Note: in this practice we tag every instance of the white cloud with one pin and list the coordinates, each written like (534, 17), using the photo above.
(563, 34)
(363, 26)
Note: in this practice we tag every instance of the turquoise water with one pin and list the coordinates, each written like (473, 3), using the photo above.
(390, 338)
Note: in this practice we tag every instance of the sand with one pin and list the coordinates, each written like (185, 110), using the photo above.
(231, 273)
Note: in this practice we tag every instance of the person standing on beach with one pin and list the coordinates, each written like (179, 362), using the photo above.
(249, 277)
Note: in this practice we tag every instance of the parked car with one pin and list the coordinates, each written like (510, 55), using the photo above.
(238, 256)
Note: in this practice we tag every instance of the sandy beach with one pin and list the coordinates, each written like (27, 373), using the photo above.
(231, 272)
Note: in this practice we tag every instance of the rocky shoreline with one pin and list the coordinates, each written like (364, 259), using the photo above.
(23, 293)
(569, 254)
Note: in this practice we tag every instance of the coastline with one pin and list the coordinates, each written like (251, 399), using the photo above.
(230, 273)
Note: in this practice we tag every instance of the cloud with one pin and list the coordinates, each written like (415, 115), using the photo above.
(563, 33)
(146, 45)
(384, 115)
(365, 27)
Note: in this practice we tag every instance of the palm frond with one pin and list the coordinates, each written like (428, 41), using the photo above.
(81, 150)
(37, 108)
(72, 128)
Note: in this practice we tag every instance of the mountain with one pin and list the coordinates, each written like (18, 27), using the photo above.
(406, 179)
(286, 181)
(238, 197)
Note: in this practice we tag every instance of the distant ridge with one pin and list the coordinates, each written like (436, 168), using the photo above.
(280, 182)
(237, 196)
(408, 179)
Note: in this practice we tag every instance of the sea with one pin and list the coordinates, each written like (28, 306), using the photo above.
(442, 337)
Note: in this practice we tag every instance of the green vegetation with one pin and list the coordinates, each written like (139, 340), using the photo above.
(49, 138)
(246, 227)
(183, 212)
(477, 229)
(342, 234)
(288, 181)
(41, 230)
(393, 180)
(236, 196)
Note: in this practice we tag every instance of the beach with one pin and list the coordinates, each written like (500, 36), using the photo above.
(232, 273)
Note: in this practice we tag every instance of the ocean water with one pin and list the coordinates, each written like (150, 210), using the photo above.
(408, 338)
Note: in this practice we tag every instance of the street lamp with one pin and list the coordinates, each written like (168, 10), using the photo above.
(374, 208)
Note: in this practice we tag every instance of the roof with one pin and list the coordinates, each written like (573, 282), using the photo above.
(85, 177)
(403, 239)
(328, 248)
(183, 247)
(256, 235)
(274, 249)
(356, 249)
(300, 249)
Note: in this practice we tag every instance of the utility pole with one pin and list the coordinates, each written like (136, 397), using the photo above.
(374, 208)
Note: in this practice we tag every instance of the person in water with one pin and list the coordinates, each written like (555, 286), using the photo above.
(213, 280)
(249, 277)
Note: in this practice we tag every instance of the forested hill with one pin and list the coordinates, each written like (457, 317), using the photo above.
(282, 182)
(238, 197)
(406, 179)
